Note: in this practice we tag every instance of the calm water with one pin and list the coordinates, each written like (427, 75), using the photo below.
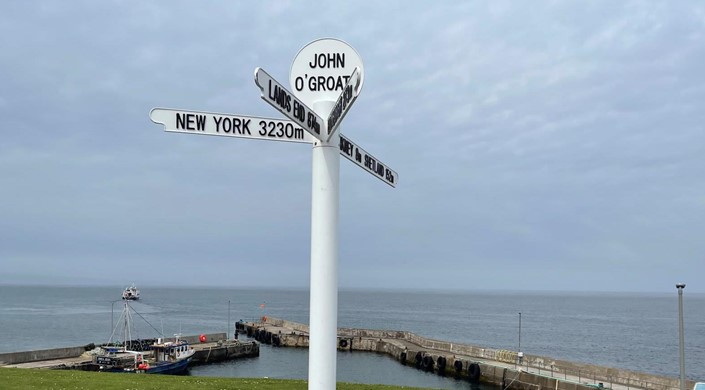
(631, 331)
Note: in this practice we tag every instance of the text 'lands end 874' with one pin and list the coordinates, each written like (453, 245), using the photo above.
(280, 98)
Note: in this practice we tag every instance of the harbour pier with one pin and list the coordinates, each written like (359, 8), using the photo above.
(215, 347)
(493, 366)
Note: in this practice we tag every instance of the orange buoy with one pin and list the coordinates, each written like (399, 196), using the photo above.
(202, 338)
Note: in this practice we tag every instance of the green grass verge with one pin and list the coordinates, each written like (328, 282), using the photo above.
(20, 378)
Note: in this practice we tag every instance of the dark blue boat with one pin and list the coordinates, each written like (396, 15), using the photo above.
(166, 358)
(142, 356)
(169, 358)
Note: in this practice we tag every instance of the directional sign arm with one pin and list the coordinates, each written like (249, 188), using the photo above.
(229, 125)
(285, 101)
(344, 102)
(367, 162)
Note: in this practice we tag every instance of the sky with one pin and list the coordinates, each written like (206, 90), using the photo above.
(540, 145)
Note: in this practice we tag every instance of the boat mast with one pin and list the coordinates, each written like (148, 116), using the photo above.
(129, 326)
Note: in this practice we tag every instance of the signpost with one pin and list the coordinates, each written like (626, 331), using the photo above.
(326, 77)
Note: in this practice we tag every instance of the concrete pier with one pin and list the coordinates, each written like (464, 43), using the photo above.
(216, 348)
(224, 350)
(493, 366)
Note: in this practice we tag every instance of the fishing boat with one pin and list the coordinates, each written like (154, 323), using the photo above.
(169, 358)
(131, 293)
(136, 356)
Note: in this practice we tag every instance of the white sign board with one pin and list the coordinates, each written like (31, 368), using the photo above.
(344, 102)
(229, 125)
(367, 162)
(321, 70)
(284, 101)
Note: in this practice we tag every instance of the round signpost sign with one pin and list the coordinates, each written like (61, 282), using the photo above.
(322, 68)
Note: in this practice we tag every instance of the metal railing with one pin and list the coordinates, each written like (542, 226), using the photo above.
(595, 379)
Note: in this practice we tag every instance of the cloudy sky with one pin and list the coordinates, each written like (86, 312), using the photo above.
(539, 145)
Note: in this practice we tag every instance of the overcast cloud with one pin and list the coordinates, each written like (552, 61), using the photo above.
(540, 145)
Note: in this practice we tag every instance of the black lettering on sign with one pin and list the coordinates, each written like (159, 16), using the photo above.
(279, 130)
(327, 60)
(389, 175)
(374, 166)
(339, 107)
(358, 156)
(227, 125)
(289, 130)
(279, 96)
(379, 169)
(245, 126)
(187, 121)
(299, 83)
(339, 83)
(313, 124)
(346, 146)
(299, 111)
(180, 121)
(271, 126)
(326, 83)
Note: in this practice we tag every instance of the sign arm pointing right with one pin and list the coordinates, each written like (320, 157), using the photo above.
(344, 102)
(367, 162)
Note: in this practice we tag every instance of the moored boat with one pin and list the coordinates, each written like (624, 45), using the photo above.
(169, 358)
(141, 356)
(164, 358)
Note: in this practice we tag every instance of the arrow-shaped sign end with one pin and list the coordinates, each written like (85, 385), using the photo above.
(156, 115)
(358, 81)
(257, 72)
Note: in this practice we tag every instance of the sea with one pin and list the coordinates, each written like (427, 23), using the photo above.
(634, 331)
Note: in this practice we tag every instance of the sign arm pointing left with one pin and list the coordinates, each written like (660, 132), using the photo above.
(229, 125)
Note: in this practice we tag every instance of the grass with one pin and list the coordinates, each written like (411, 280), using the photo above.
(20, 378)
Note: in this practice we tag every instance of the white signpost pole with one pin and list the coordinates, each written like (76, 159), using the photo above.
(323, 319)
(319, 77)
